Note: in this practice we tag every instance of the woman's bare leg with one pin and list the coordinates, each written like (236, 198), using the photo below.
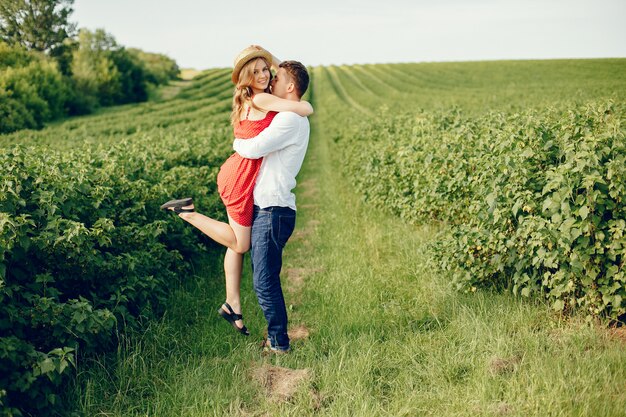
(233, 265)
(236, 238)
(231, 234)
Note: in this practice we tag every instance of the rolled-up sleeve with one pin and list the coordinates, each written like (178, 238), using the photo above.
(278, 135)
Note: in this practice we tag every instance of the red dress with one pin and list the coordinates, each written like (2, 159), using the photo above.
(235, 181)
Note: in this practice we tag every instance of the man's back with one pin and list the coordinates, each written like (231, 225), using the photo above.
(283, 147)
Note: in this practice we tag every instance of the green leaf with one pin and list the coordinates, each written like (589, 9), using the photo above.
(62, 365)
(490, 199)
(583, 212)
(47, 365)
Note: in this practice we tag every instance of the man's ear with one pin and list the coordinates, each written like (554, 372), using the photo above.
(291, 87)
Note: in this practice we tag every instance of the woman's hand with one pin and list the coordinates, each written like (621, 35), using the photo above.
(307, 108)
(275, 61)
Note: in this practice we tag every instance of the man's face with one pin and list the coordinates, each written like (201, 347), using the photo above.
(281, 83)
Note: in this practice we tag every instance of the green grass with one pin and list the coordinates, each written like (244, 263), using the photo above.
(388, 336)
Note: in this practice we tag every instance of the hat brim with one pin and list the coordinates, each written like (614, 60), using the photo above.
(245, 58)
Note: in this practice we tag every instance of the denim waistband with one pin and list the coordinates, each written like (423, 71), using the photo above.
(277, 209)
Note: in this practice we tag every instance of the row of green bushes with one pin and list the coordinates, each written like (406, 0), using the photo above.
(536, 201)
(93, 71)
(86, 253)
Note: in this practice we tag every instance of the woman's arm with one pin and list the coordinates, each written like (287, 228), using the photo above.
(267, 101)
(275, 62)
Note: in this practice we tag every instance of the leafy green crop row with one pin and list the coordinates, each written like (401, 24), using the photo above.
(534, 199)
(537, 201)
(85, 251)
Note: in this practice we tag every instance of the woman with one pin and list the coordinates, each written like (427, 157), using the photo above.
(253, 111)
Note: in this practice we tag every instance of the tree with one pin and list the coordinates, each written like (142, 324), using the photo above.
(40, 25)
(96, 77)
(105, 72)
(133, 76)
(160, 69)
(32, 89)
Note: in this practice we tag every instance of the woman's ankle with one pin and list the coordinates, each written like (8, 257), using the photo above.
(235, 305)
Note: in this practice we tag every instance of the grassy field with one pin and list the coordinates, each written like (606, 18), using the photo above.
(377, 329)
(387, 336)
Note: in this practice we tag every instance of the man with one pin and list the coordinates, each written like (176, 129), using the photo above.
(282, 146)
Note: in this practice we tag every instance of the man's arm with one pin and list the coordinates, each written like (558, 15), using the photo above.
(278, 135)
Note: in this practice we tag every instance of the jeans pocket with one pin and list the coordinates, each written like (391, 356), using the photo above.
(286, 224)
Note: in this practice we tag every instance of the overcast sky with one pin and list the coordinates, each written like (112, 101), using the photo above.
(206, 34)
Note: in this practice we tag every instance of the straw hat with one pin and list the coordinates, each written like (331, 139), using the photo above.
(248, 54)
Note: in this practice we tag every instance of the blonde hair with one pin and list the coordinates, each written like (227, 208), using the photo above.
(243, 90)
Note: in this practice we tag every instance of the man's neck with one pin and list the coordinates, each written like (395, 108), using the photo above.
(292, 97)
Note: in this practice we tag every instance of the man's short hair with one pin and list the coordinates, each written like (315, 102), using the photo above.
(299, 74)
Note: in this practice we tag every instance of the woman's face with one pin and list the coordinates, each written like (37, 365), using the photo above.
(260, 76)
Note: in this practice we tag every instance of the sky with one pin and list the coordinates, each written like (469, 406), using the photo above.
(205, 34)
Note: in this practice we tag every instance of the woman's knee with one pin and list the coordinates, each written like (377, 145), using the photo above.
(241, 248)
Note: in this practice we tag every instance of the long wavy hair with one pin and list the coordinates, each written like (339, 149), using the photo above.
(243, 90)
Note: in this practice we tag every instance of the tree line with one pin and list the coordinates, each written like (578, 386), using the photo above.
(49, 69)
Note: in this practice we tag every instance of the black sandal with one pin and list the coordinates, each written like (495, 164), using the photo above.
(177, 205)
(232, 317)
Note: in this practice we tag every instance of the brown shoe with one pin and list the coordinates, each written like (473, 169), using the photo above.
(267, 349)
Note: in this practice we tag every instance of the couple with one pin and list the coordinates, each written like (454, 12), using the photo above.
(255, 183)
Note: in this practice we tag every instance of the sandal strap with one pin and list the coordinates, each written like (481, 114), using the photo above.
(234, 315)
(182, 210)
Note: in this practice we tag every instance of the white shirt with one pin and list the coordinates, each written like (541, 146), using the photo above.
(282, 145)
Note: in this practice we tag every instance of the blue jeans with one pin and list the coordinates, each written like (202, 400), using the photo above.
(271, 228)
